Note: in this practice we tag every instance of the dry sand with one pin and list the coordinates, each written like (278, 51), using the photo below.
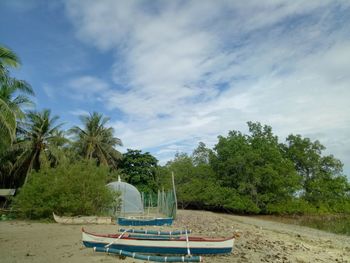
(259, 241)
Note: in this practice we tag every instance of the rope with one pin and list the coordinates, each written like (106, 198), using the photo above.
(114, 240)
(188, 244)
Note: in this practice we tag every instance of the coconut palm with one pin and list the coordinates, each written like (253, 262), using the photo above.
(12, 97)
(39, 142)
(95, 141)
(7, 118)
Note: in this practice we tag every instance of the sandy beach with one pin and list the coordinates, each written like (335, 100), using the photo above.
(259, 240)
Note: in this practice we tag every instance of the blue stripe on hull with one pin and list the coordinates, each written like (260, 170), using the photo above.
(163, 250)
(145, 222)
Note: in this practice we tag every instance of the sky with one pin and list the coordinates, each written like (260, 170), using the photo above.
(171, 74)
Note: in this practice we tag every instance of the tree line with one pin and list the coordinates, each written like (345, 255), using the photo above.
(255, 173)
(244, 173)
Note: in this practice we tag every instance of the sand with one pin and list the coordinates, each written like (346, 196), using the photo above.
(259, 240)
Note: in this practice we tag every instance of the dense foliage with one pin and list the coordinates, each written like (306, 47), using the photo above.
(73, 189)
(254, 166)
(254, 173)
(323, 184)
(139, 169)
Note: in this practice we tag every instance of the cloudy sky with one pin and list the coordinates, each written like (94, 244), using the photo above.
(170, 74)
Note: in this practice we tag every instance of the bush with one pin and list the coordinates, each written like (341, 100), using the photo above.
(74, 189)
(299, 206)
(291, 207)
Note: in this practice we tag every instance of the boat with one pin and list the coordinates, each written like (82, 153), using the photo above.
(180, 245)
(142, 221)
(74, 220)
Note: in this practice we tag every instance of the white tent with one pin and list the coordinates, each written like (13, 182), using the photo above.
(131, 202)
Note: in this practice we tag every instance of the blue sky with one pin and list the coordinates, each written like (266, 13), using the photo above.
(172, 73)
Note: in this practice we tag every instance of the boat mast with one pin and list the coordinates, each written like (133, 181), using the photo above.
(174, 190)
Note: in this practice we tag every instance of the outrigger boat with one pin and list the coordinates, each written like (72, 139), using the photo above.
(180, 245)
(144, 221)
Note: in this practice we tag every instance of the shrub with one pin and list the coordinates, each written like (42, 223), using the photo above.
(292, 206)
(74, 189)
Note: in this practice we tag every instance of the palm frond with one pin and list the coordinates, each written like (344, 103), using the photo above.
(7, 122)
(23, 86)
(22, 100)
(8, 58)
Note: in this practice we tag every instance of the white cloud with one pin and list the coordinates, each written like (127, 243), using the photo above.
(79, 112)
(193, 70)
(87, 88)
(49, 91)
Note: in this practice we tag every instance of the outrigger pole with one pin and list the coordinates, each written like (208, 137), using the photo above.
(148, 257)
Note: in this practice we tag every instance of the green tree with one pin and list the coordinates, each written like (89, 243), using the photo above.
(324, 185)
(140, 170)
(305, 154)
(254, 166)
(95, 141)
(201, 154)
(38, 143)
(185, 180)
(183, 168)
(197, 185)
(12, 97)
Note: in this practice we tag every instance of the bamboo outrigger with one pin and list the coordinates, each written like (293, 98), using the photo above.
(149, 257)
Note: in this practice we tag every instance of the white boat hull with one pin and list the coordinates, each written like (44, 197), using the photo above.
(176, 245)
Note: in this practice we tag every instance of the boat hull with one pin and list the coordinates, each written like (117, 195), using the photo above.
(197, 245)
(123, 221)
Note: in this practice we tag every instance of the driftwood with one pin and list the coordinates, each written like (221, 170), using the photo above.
(82, 220)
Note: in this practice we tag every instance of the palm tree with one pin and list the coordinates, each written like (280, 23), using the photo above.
(39, 142)
(12, 96)
(7, 118)
(14, 93)
(7, 125)
(95, 141)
